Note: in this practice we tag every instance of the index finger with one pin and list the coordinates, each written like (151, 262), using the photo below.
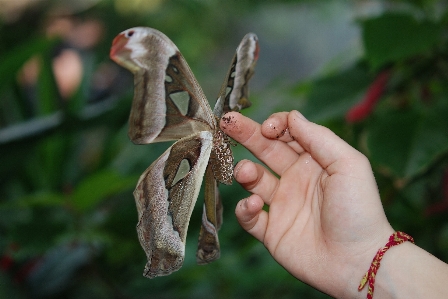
(277, 155)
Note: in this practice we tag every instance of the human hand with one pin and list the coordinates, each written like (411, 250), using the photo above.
(325, 220)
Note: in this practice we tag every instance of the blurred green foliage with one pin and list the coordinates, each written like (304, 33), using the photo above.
(67, 215)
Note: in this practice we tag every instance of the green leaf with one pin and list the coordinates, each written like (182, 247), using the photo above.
(394, 37)
(47, 89)
(41, 199)
(13, 212)
(407, 143)
(331, 97)
(11, 62)
(95, 188)
(53, 152)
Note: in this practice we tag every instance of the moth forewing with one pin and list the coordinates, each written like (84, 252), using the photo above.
(247, 55)
(234, 92)
(168, 102)
(185, 99)
(165, 196)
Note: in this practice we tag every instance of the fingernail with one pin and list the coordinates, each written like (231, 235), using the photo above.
(237, 167)
(244, 204)
(296, 113)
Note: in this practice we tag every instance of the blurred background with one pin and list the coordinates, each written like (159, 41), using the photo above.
(375, 72)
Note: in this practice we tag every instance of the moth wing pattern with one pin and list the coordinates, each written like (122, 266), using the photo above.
(165, 196)
(168, 101)
(169, 104)
(233, 96)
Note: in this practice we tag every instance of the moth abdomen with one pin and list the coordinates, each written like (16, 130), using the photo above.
(221, 158)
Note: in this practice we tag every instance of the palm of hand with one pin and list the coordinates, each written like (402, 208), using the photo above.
(314, 216)
(324, 210)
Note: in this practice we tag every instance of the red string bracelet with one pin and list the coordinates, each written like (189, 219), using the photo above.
(395, 239)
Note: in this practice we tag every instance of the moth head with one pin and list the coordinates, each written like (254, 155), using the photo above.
(128, 48)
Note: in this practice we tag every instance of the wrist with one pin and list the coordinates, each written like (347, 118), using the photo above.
(392, 280)
(358, 264)
(411, 272)
(368, 280)
(406, 271)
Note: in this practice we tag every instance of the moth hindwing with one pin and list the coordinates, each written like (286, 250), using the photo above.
(169, 104)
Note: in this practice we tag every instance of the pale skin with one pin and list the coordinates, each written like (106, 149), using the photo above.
(325, 221)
